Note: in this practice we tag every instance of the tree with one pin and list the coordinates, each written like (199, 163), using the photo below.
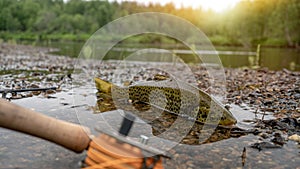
(44, 23)
(25, 11)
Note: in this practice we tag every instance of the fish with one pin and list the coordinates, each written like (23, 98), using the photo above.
(174, 97)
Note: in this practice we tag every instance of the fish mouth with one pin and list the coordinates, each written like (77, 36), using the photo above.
(227, 122)
(228, 119)
(232, 122)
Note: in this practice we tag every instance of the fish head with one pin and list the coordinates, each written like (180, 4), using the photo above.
(103, 86)
(227, 118)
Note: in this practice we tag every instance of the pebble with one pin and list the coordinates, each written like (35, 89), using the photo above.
(263, 135)
(275, 89)
(294, 137)
(226, 159)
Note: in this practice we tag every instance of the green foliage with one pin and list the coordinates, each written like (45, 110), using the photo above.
(266, 22)
(220, 40)
(250, 22)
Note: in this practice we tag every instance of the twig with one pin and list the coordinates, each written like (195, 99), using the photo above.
(263, 116)
(5, 91)
(244, 156)
(256, 112)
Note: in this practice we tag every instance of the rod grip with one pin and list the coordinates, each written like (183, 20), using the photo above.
(71, 136)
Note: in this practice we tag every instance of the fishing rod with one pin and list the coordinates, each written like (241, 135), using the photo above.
(6, 91)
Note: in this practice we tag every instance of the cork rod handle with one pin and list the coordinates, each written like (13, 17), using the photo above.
(71, 136)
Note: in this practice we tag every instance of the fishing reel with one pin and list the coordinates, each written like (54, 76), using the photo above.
(116, 150)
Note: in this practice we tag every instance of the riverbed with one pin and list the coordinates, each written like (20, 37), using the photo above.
(271, 94)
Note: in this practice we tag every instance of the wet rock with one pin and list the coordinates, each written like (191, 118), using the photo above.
(264, 135)
(277, 90)
(278, 139)
(279, 124)
(264, 145)
(294, 137)
(50, 91)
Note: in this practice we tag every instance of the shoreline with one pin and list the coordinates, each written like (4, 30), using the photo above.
(32, 38)
(244, 86)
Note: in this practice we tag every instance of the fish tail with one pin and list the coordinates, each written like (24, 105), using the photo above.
(103, 86)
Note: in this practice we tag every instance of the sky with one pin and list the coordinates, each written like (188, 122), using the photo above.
(216, 5)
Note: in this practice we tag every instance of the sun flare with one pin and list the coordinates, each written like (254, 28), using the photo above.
(215, 5)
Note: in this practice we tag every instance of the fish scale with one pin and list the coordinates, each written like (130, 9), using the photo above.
(187, 101)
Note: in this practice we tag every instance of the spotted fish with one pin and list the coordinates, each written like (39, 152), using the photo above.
(182, 99)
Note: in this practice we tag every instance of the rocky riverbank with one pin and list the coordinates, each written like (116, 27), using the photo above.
(259, 92)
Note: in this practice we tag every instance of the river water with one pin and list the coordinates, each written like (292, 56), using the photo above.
(231, 56)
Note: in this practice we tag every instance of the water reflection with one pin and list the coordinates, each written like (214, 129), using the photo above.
(278, 58)
(272, 58)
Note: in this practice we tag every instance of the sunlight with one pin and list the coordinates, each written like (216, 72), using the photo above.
(215, 5)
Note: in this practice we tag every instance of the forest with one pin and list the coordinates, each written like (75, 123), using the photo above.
(250, 22)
